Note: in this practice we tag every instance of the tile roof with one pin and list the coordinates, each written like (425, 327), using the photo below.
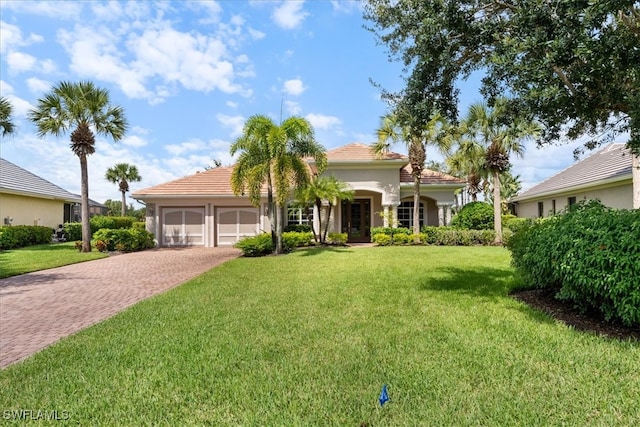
(429, 177)
(14, 179)
(612, 163)
(359, 152)
(215, 181)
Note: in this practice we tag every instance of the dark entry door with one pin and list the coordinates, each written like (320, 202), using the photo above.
(356, 220)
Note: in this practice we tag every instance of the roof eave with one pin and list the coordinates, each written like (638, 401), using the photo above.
(573, 188)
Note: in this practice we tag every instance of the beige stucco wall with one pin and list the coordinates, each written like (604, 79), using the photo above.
(619, 197)
(381, 181)
(31, 210)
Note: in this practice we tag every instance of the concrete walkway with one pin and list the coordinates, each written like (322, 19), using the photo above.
(37, 309)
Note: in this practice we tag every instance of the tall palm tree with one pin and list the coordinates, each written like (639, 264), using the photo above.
(321, 189)
(273, 155)
(122, 174)
(83, 109)
(501, 136)
(6, 110)
(434, 133)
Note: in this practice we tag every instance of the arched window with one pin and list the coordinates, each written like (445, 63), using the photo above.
(405, 214)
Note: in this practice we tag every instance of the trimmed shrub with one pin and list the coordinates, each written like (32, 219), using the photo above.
(449, 236)
(516, 224)
(401, 239)
(474, 216)
(123, 240)
(111, 222)
(295, 239)
(254, 246)
(19, 236)
(73, 231)
(591, 253)
(381, 239)
(339, 239)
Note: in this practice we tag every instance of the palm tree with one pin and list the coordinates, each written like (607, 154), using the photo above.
(434, 133)
(6, 123)
(273, 155)
(468, 161)
(83, 109)
(122, 174)
(501, 137)
(323, 188)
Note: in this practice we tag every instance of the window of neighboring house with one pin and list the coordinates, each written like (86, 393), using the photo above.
(405, 214)
(540, 209)
(296, 216)
(553, 206)
(571, 201)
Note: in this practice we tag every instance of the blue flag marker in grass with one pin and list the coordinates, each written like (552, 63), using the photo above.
(384, 396)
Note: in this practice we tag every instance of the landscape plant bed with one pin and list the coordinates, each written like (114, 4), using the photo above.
(543, 299)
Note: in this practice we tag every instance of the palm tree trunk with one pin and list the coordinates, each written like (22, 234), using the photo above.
(279, 218)
(497, 208)
(84, 195)
(635, 174)
(326, 226)
(124, 205)
(416, 207)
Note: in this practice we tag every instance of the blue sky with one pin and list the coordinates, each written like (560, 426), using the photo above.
(189, 73)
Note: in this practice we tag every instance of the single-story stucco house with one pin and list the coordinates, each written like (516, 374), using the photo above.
(201, 209)
(27, 199)
(605, 175)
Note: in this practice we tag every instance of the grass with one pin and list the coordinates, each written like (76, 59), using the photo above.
(42, 257)
(310, 338)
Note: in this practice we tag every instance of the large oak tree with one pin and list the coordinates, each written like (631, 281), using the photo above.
(573, 65)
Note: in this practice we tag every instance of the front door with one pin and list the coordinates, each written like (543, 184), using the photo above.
(356, 220)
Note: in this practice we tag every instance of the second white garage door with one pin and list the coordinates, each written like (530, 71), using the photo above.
(235, 223)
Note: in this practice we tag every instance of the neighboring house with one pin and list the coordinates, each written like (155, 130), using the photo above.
(27, 199)
(604, 175)
(95, 208)
(202, 210)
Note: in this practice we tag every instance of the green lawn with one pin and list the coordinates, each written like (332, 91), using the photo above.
(310, 338)
(41, 257)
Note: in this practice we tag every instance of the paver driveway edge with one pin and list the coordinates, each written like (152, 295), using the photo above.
(37, 309)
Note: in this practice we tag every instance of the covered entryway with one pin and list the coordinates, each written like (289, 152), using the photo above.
(183, 226)
(235, 223)
(356, 220)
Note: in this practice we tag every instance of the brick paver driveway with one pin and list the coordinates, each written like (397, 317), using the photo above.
(37, 309)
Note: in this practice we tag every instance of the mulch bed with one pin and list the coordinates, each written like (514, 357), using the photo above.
(543, 299)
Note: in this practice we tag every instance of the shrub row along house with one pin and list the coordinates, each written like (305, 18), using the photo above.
(201, 209)
(605, 175)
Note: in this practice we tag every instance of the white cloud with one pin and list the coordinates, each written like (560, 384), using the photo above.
(346, 6)
(320, 121)
(294, 87)
(235, 123)
(255, 34)
(185, 147)
(37, 85)
(11, 38)
(134, 141)
(55, 9)
(19, 62)
(231, 104)
(289, 15)
(110, 11)
(293, 107)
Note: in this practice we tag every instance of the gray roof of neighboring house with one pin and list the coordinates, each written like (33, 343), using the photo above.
(15, 180)
(610, 164)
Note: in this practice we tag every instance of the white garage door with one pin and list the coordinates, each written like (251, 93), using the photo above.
(183, 227)
(235, 223)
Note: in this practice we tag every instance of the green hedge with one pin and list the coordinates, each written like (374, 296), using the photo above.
(123, 240)
(590, 253)
(300, 228)
(19, 236)
(73, 230)
(474, 216)
(440, 236)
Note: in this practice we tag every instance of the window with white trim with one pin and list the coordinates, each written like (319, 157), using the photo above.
(405, 214)
(298, 216)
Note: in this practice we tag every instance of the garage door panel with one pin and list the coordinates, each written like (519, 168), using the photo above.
(183, 227)
(235, 223)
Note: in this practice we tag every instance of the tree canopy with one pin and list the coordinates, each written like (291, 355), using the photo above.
(6, 121)
(573, 65)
